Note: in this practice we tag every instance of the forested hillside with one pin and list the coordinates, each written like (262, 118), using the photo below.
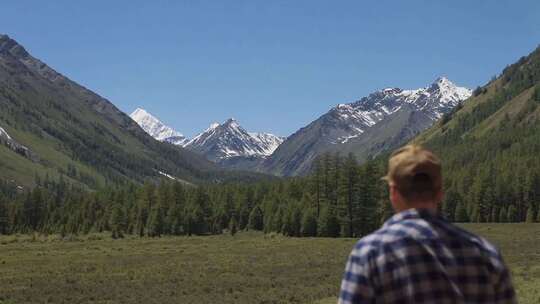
(489, 148)
(54, 127)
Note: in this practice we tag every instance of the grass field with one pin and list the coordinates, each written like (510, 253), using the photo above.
(247, 268)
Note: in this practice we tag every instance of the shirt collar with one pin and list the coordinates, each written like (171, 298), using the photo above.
(413, 213)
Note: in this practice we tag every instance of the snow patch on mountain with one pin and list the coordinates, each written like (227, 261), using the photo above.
(167, 175)
(9, 142)
(268, 142)
(155, 128)
(4, 134)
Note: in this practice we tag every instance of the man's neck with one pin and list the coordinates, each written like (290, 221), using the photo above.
(420, 205)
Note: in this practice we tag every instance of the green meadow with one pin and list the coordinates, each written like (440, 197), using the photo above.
(246, 268)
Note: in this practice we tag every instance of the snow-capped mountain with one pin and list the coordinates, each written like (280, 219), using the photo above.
(229, 139)
(218, 142)
(153, 126)
(380, 121)
(355, 118)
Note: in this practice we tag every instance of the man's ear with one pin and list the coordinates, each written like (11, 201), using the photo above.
(393, 193)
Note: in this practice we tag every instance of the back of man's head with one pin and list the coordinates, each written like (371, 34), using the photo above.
(416, 173)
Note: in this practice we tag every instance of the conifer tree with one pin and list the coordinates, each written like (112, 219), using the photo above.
(196, 221)
(461, 213)
(530, 218)
(494, 218)
(292, 220)
(512, 215)
(317, 181)
(368, 192)
(204, 215)
(174, 220)
(189, 219)
(273, 213)
(474, 216)
(327, 179)
(156, 222)
(328, 223)
(117, 221)
(233, 225)
(452, 198)
(309, 223)
(335, 174)
(276, 223)
(243, 217)
(256, 219)
(228, 208)
(4, 223)
(146, 200)
(348, 196)
(503, 215)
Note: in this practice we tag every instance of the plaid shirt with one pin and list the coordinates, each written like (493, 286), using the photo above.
(419, 257)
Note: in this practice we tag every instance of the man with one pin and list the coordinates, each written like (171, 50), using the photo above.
(418, 256)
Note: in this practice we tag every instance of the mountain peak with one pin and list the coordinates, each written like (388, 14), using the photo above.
(140, 112)
(12, 47)
(391, 90)
(229, 139)
(448, 92)
(442, 79)
(231, 122)
(153, 126)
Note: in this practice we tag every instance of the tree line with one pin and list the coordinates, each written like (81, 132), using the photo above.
(340, 198)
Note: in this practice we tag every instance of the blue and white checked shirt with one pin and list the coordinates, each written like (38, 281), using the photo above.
(419, 257)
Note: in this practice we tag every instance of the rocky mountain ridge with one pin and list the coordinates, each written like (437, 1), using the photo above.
(350, 127)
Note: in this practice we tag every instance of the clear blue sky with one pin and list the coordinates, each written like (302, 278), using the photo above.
(273, 65)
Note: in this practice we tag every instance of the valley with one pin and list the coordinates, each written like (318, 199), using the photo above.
(101, 206)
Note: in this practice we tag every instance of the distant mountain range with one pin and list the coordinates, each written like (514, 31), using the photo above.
(218, 143)
(383, 120)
